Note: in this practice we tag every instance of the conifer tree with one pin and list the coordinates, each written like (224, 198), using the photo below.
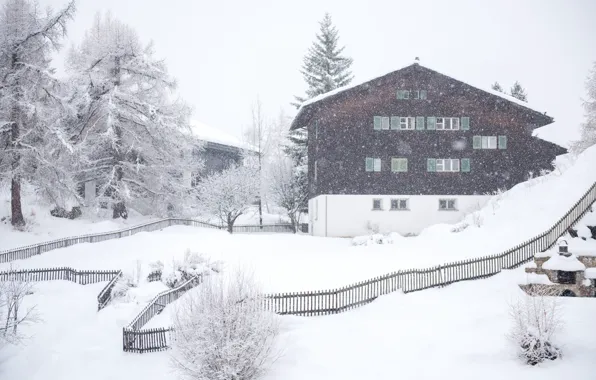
(518, 92)
(324, 67)
(497, 87)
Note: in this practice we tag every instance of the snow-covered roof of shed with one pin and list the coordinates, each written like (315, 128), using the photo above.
(206, 132)
(564, 263)
(578, 247)
(356, 84)
(590, 273)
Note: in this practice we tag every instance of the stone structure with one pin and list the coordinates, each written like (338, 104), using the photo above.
(570, 274)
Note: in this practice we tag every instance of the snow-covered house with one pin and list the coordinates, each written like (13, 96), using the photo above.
(414, 148)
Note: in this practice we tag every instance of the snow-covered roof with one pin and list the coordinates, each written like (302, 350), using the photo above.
(564, 263)
(578, 247)
(590, 273)
(356, 84)
(535, 278)
(208, 133)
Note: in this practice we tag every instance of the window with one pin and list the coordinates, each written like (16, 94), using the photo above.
(403, 94)
(447, 123)
(407, 122)
(385, 123)
(399, 204)
(372, 164)
(414, 94)
(377, 123)
(447, 205)
(447, 165)
(489, 142)
(399, 165)
(377, 204)
(564, 277)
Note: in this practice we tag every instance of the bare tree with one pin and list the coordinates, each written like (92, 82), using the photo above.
(288, 189)
(536, 320)
(229, 194)
(223, 332)
(12, 314)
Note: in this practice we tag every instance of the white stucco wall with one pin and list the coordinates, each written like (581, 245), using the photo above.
(352, 215)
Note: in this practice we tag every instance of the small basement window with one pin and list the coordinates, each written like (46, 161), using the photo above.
(564, 277)
(447, 205)
(399, 204)
(377, 204)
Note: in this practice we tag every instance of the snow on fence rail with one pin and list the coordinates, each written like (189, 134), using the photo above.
(37, 249)
(346, 298)
(137, 339)
(81, 277)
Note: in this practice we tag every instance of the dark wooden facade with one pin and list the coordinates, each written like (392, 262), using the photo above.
(341, 136)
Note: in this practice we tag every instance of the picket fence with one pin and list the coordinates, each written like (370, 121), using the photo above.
(37, 249)
(139, 340)
(81, 277)
(342, 299)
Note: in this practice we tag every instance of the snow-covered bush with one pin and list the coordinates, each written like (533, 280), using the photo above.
(12, 314)
(155, 271)
(193, 264)
(122, 286)
(223, 332)
(375, 239)
(536, 320)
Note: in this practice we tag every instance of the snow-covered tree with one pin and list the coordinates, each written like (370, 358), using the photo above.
(296, 149)
(12, 313)
(324, 67)
(229, 194)
(132, 133)
(32, 110)
(289, 189)
(588, 132)
(222, 331)
(536, 321)
(518, 92)
(497, 87)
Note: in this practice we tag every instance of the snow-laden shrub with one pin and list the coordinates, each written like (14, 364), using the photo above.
(193, 264)
(155, 271)
(223, 332)
(536, 320)
(375, 239)
(122, 286)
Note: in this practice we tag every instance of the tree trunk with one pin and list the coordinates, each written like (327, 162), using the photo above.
(260, 213)
(17, 218)
(293, 221)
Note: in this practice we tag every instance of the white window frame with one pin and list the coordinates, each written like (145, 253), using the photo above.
(448, 202)
(399, 204)
(380, 200)
(407, 123)
(444, 165)
(488, 142)
(447, 124)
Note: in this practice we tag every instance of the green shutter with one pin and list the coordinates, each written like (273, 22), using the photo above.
(431, 165)
(395, 122)
(400, 94)
(477, 142)
(465, 123)
(420, 123)
(431, 123)
(394, 165)
(377, 124)
(403, 165)
(502, 142)
(422, 94)
(465, 165)
(369, 164)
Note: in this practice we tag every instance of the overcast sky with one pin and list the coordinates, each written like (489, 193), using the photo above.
(226, 53)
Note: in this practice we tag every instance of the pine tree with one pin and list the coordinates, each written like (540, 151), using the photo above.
(497, 87)
(518, 92)
(324, 67)
(588, 132)
(32, 110)
(131, 133)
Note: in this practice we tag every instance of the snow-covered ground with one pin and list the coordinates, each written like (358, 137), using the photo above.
(457, 332)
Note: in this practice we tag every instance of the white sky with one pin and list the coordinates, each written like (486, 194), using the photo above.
(225, 53)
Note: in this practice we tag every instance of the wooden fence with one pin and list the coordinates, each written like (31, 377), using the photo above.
(346, 298)
(81, 277)
(137, 339)
(106, 293)
(37, 249)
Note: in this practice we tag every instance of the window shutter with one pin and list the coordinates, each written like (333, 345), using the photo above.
(465, 165)
(431, 165)
(403, 165)
(431, 123)
(400, 94)
(465, 123)
(377, 123)
(477, 142)
(422, 94)
(420, 123)
(385, 122)
(395, 122)
(377, 165)
(369, 164)
(502, 142)
(394, 165)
